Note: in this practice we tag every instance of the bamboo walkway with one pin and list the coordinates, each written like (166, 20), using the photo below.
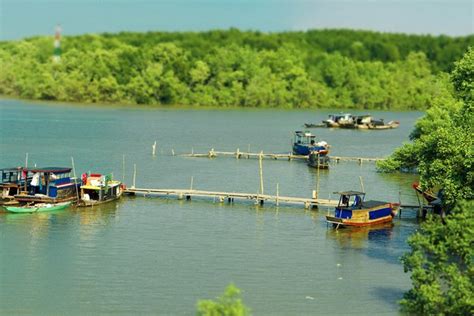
(231, 196)
(247, 155)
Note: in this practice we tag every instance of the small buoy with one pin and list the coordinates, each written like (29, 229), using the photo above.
(309, 298)
(338, 265)
(339, 278)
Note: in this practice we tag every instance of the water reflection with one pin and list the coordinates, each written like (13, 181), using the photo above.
(359, 237)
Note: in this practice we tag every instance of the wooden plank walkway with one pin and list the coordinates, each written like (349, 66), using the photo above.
(239, 154)
(231, 196)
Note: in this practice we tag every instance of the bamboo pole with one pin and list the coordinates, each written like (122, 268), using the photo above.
(317, 180)
(154, 148)
(192, 180)
(26, 161)
(134, 175)
(123, 168)
(261, 171)
(361, 184)
(278, 193)
(75, 178)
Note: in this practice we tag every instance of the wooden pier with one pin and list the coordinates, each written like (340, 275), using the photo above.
(247, 155)
(230, 197)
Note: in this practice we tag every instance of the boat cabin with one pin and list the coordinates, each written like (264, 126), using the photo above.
(11, 182)
(50, 184)
(304, 143)
(354, 210)
(97, 188)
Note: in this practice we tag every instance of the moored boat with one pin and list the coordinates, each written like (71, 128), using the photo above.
(38, 207)
(98, 189)
(48, 185)
(304, 142)
(335, 120)
(389, 125)
(353, 210)
(319, 158)
(12, 181)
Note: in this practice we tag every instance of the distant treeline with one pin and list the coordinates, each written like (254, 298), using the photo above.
(313, 69)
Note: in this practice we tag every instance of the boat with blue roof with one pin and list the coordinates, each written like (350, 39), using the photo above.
(354, 210)
(305, 142)
(48, 185)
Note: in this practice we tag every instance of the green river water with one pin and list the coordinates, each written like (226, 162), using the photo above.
(160, 256)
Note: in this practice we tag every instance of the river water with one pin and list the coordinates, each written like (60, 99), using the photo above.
(160, 256)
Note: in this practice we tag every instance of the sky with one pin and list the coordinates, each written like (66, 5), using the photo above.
(24, 18)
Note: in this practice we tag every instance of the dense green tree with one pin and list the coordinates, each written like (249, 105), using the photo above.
(229, 304)
(329, 68)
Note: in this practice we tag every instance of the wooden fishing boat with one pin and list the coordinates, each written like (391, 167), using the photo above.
(319, 159)
(353, 210)
(11, 182)
(304, 142)
(48, 185)
(98, 189)
(38, 207)
(313, 125)
(389, 125)
(335, 120)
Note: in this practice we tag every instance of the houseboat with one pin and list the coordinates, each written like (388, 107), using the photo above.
(11, 183)
(97, 189)
(304, 142)
(353, 210)
(48, 185)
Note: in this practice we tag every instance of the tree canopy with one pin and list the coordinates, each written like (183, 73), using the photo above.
(441, 257)
(313, 69)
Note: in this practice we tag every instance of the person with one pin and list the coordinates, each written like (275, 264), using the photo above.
(345, 200)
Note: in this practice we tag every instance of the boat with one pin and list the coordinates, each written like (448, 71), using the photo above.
(335, 120)
(38, 207)
(48, 185)
(98, 189)
(353, 210)
(313, 125)
(381, 125)
(319, 158)
(11, 182)
(304, 142)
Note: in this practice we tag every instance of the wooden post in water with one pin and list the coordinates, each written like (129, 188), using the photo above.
(317, 180)
(75, 178)
(192, 180)
(154, 149)
(260, 158)
(26, 161)
(278, 194)
(123, 168)
(134, 175)
(361, 184)
(172, 151)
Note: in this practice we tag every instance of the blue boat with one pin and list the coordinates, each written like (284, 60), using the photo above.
(304, 143)
(353, 210)
(48, 185)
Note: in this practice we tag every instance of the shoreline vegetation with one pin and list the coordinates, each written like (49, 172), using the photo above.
(317, 69)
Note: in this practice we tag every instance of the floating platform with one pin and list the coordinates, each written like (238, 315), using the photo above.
(233, 196)
(247, 155)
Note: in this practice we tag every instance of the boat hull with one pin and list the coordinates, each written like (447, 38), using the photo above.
(354, 216)
(38, 208)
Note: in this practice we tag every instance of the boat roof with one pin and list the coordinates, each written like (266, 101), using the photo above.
(350, 193)
(304, 133)
(11, 169)
(51, 170)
